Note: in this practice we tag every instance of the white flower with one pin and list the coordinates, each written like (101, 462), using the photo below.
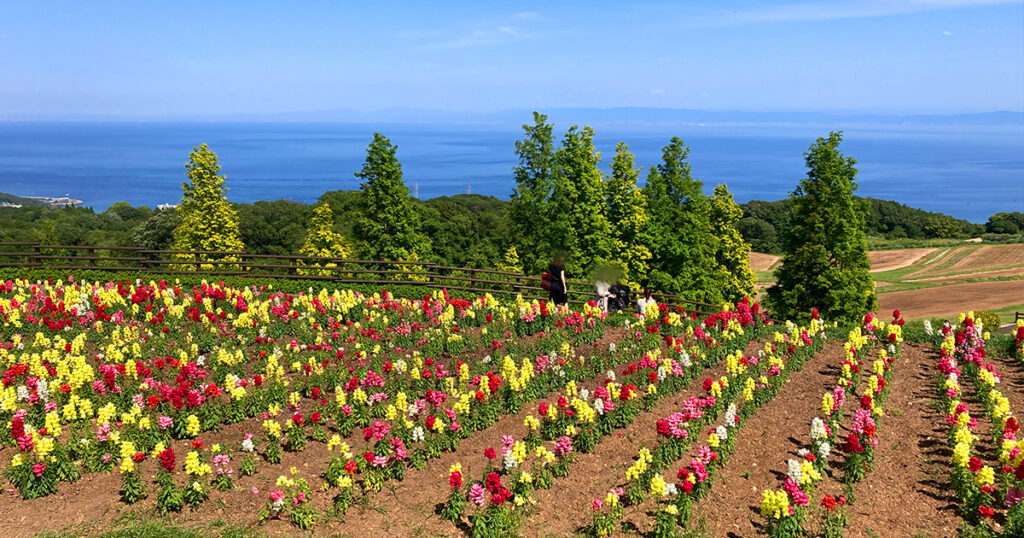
(612, 347)
(610, 374)
(818, 430)
(248, 446)
(793, 470)
(671, 489)
(684, 359)
(584, 394)
(722, 432)
(824, 449)
(928, 327)
(510, 461)
(599, 406)
(417, 433)
(730, 416)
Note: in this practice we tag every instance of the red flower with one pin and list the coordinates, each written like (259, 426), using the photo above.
(297, 419)
(315, 417)
(198, 443)
(975, 464)
(455, 479)
(351, 467)
(985, 511)
(829, 503)
(167, 459)
(489, 453)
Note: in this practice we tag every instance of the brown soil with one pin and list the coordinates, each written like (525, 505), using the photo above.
(951, 300)
(771, 436)
(989, 256)
(887, 260)
(762, 262)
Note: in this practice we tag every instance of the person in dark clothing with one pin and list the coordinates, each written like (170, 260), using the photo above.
(558, 292)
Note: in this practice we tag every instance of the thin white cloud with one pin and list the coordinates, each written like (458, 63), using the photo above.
(947, 33)
(833, 11)
(483, 37)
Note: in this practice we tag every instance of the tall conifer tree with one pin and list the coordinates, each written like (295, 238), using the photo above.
(825, 264)
(529, 217)
(627, 215)
(389, 227)
(208, 222)
(682, 245)
(733, 253)
(578, 220)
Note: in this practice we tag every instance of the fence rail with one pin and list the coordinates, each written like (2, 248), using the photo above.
(28, 255)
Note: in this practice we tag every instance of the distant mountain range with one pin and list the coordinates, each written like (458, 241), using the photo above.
(623, 116)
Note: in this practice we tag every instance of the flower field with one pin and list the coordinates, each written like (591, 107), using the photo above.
(331, 411)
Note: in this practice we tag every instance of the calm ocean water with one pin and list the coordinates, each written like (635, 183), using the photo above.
(970, 173)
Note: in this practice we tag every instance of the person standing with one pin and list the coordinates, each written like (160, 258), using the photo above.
(558, 293)
(645, 301)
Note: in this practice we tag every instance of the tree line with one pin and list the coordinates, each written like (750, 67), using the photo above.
(668, 231)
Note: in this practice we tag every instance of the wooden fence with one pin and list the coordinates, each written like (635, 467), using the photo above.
(31, 255)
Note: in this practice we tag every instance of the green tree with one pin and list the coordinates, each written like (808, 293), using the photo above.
(627, 215)
(528, 211)
(825, 264)
(157, 233)
(682, 245)
(1005, 223)
(208, 222)
(579, 224)
(322, 240)
(389, 226)
(733, 253)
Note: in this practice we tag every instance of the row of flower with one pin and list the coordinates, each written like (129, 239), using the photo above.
(1019, 339)
(409, 406)
(786, 509)
(988, 498)
(142, 404)
(749, 383)
(574, 422)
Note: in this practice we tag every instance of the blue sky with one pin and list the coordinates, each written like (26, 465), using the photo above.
(192, 58)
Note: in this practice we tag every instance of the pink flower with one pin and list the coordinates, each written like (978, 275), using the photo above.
(476, 493)
(255, 491)
(1014, 495)
(598, 503)
(276, 495)
(165, 422)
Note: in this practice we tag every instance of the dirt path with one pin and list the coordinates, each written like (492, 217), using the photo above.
(911, 461)
(771, 436)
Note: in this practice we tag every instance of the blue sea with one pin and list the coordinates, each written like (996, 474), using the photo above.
(970, 172)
